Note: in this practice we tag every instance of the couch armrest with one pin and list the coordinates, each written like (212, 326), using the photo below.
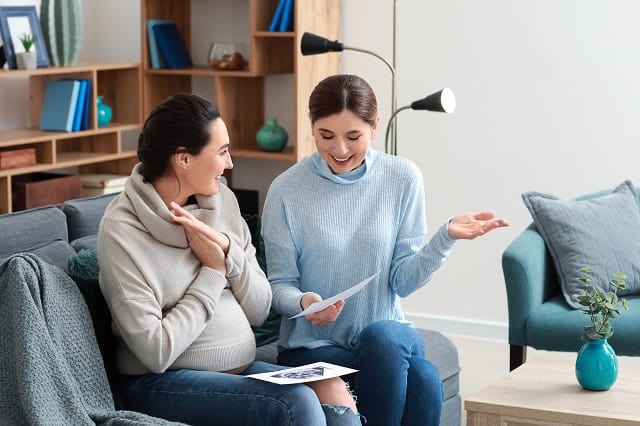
(529, 278)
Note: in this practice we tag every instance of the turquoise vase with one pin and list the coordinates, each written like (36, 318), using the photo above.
(104, 112)
(596, 365)
(272, 137)
(63, 30)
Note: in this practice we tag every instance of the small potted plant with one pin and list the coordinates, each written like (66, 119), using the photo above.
(27, 60)
(597, 363)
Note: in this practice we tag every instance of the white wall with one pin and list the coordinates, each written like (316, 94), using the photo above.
(548, 97)
(547, 94)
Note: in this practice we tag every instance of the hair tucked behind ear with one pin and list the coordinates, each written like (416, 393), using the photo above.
(338, 92)
(182, 120)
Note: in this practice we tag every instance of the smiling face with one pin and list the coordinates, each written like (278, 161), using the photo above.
(202, 175)
(343, 140)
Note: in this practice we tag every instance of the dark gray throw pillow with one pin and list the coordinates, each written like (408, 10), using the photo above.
(601, 233)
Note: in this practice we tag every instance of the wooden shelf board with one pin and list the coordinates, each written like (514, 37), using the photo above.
(67, 70)
(23, 136)
(274, 34)
(14, 137)
(286, 155)
(202, 71)
(70, 159)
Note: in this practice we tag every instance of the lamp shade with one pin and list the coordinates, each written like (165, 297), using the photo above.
(442, 101)
(312, 44)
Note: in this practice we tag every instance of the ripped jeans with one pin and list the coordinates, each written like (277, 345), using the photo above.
(205, 398)
(395, 384)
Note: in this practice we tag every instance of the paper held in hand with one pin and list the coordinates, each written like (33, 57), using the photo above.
(318, 306)
(304, 373)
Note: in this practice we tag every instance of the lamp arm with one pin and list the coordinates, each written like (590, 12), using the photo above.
(389, 127)
(387, 63)
(394, 101)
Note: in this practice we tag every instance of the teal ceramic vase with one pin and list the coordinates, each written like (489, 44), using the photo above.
(596, 365)
(104, 112)
(272, 137)
(63, 30)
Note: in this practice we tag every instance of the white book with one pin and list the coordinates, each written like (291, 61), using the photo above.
(103, 180)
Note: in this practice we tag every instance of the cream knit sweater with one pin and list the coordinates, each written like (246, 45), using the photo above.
(169, 311)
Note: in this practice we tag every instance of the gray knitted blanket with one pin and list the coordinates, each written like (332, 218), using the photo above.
(51, 370)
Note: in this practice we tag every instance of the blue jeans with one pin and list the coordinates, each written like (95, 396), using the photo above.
(395, 384)
(206, 398)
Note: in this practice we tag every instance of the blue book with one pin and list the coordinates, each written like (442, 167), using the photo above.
(58, 107)
(277, 16)
(86, 113)
(82, 95)
(157, 60)
(171, 45)
(286, 23)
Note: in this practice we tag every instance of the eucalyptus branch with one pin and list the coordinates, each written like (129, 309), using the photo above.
(601, 306)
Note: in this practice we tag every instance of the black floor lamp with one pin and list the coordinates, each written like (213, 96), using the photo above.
(441, 101)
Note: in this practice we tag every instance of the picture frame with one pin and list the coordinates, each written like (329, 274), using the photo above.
(16, 21)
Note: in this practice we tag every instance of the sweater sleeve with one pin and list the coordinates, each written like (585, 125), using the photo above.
(155, 336)
(248, 283)
(415, 262)
(280, 249)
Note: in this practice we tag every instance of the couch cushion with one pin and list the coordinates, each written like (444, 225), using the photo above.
(601, 233)
(84, 215)
(567, 325)
(42, 231)
(443, 354)
(54, 253)
(90, 242)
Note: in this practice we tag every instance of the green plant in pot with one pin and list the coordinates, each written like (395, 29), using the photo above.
(27, 60)
(28, 40)
(597, 362)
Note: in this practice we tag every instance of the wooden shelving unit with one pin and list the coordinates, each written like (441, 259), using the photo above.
(97, 150)
(240, 95)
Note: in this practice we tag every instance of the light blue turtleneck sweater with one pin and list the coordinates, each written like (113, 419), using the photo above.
(324, 233)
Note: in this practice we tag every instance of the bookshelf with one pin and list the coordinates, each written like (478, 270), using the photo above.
(240, 95)
(96, 150)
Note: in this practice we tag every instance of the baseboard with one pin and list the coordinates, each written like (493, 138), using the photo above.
(462, 327)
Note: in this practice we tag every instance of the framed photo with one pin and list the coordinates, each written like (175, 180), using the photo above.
(16, 21)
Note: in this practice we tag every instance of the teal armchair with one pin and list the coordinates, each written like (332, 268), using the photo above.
(539, 316)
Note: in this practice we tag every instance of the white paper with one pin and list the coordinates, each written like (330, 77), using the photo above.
(318, 306)
(304, 373)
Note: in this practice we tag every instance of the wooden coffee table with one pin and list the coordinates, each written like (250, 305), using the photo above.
(544, 391)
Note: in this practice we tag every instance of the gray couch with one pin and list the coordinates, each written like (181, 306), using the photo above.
(57, 233)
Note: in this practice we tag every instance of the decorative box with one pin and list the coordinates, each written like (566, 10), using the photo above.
(41, 189)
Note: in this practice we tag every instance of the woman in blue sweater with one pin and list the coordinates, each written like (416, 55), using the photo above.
(336, 218)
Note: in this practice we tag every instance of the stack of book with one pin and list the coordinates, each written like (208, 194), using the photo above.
(66, 106)
(101, 183)
(283, 17)
(166, 46)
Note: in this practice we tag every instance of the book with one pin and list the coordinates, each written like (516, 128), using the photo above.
(286, 23)
(277, 16)
(86, 113)
(79, 110)
(157, 59)
(171, 45)
(58, 107)
(102, 180)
